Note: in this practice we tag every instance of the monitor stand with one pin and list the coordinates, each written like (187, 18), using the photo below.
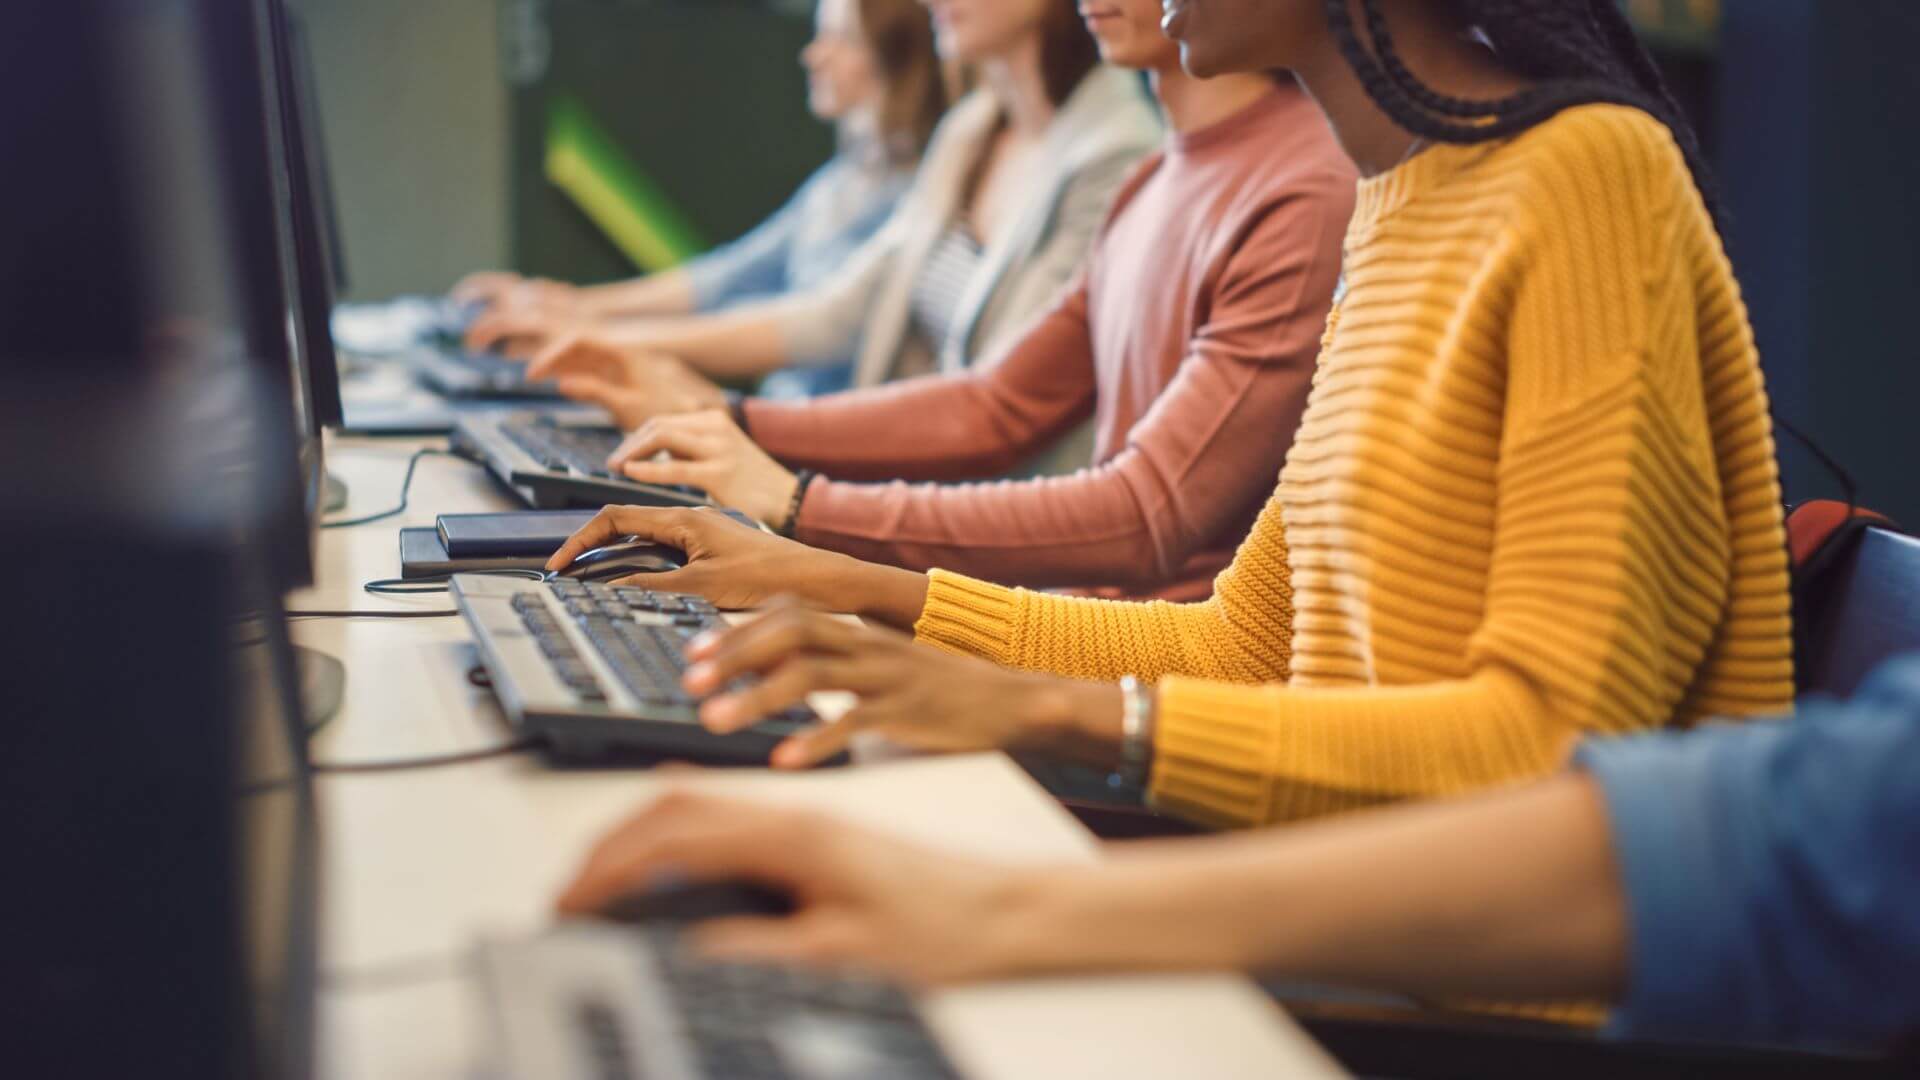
(333, 493)
(323, 683)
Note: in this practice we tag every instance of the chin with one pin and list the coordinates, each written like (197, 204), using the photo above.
(1121, 56)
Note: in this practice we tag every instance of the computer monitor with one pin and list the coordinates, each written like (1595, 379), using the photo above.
(313, 250)
(307, 93)
(159, 810)
(257, 186)
(277, 835)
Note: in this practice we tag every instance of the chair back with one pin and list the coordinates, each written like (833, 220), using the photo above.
(1856, 604)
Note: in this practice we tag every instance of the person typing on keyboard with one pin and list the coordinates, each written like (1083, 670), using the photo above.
(1747, 884)
(1234, 227)
(1533, 496)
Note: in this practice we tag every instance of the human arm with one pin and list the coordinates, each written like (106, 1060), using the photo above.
(1630, 545)
(1782, 860)
(967, 425)
(958, 425)
(751, 267)
(739, 567)
(1738, 884)
(1517, 898)
(818, 325)
(754, 265)
(1192, 466)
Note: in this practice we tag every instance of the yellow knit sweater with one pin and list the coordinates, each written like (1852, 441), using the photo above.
(1533, 497)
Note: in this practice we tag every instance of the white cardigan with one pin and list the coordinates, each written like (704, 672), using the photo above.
(1105, 126)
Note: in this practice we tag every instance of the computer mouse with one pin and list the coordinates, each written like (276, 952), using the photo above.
(697, 901)
(621, 558)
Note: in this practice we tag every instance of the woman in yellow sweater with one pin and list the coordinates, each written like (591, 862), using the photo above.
(1533, 496)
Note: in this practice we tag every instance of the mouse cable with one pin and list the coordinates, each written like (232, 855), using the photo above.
(412, 586)
(406, 486)
(437, 583)
(434, 761)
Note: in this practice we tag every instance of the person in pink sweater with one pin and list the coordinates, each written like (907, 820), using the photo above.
(1189, 339)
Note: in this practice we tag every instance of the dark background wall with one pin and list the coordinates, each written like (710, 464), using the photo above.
(1818, 122)
(415, 114)
(434, 112)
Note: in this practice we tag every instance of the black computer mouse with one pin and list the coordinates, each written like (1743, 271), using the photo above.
(621, 558)
(697, 901)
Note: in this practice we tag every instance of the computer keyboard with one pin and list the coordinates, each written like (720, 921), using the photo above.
(639, 634)
(592, 671)
(756, 1022)
(583, 450)
(458, 373)
(497, 372)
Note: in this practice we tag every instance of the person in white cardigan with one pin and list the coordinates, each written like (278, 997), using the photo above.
(1006, 204)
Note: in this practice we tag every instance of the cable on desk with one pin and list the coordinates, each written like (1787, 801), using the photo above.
(438, 583)
(434, 761)
(406, 486)
(412, 587)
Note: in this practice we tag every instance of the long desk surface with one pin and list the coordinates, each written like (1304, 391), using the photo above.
(419, 865)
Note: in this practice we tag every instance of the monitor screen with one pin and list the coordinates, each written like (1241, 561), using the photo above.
(257, 188)
(307, 94)
(257, 457)
(313, 249)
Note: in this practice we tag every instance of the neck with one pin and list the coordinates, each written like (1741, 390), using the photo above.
(1014, 79)
(858, 135)
(1193, 104)
(1440, 55)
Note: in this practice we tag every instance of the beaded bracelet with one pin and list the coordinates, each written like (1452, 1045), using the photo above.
(801, 480)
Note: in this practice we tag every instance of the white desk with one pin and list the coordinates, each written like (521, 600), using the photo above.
(418, 865)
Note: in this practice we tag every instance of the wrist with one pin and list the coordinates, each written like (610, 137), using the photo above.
(883, 594)
(1068, 718)
(782, 504)
(1032, 924)
(1056, 920)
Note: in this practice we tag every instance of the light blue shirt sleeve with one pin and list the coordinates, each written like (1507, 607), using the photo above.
(1772, 873)
(756, 264)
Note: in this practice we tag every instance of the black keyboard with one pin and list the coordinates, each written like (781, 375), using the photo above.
(583, 450)
(458, 373)
(646, 654)
(754, 1022)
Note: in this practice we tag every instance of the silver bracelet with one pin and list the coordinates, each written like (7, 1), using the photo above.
(1136, 730)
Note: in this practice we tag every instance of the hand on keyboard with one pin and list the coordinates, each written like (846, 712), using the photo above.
(521, 330)
(634, 385)
(734, 566)
(865, 901)
(707, 450)
(917, 697)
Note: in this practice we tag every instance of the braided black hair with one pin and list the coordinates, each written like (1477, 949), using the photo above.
(1579, 52)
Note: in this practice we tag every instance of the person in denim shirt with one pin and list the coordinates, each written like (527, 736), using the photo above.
(1754, 883)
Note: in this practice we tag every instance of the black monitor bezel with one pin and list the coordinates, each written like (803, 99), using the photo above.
(313, 256)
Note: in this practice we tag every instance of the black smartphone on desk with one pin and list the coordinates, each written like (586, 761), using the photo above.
(423, 556)
(506, 535)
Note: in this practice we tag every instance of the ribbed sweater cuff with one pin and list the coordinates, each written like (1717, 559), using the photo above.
(967, 616)
(1213, 750)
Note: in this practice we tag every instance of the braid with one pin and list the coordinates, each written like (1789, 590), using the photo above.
(1580, 52)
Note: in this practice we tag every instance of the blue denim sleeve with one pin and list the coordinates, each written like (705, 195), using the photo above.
(755, 265)
(1772, 873)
